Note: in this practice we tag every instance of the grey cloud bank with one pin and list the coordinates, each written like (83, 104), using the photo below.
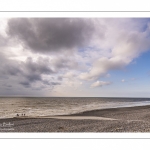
(51, 34)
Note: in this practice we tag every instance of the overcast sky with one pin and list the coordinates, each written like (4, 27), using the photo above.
(75, 57)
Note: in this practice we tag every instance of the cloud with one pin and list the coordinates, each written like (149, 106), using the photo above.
(133, 79)
(3, 41)
(25, 84)
(33, 71)
(27, 73)
(124, 44)
(61, 62)
(102, 66)
(51, 34)
(39, 66)
(123, 80)
(118, 44)
(38, 53)
(69, 75)
(100, 83)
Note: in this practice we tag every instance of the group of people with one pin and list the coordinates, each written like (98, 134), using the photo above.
(20, 115)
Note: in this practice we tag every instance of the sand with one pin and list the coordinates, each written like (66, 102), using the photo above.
(131, 119)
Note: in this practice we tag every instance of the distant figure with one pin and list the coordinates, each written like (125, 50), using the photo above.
(24, 114)
(17, 115)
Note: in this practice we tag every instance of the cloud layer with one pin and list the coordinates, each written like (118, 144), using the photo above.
(46, 35)
(124, 45)
(65, 53)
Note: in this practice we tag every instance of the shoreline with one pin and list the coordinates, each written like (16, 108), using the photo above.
(85, 113)
(124, 119)
(111, 110)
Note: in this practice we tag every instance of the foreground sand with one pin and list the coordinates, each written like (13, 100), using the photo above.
(132, 119)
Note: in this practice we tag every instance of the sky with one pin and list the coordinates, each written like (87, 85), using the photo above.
(75, 57)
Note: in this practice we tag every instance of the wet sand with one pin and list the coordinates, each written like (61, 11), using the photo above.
(130, 119)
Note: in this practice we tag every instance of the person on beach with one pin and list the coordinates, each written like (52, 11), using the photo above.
(17, 115)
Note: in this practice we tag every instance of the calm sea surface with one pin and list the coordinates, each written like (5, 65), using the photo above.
(9, 107)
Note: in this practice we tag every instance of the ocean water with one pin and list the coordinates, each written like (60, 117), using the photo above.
(49, 106)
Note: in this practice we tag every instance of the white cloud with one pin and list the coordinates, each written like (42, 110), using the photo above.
(3, 25)
(123, 44)
(100, 83)
(123, 80)
(102, 66)
(69, 74)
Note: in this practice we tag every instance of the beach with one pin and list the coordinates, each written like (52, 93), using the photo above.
(127, 119)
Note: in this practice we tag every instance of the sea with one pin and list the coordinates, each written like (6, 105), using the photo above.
(50, 106)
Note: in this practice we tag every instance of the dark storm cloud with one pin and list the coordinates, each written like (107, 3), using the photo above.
(40, 66)
(33, 77)
(9, 67)
(50, 82)
(11, 70)
(33, 70)
(28, 83)
(25, 84)
(51, 34)
(27, 73)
